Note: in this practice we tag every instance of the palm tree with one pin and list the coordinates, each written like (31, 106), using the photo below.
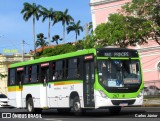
(75, 27)
(55, 38)
(65, 18)
(41, 41)
(31, 10)
(50, 15)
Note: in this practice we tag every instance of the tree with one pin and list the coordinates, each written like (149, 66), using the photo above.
(50, 15)
(28, 11)
(41, 41)
(56, 38)
(65, 18)
(148, 10)
(58, 49)
(122, 31)
(75, 27)
(90, 42)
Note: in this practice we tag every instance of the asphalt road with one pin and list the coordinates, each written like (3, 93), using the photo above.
(128, 113)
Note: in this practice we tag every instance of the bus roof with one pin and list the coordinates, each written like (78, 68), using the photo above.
(46, 59)
(102, 51)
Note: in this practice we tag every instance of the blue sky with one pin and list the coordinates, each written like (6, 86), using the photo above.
(13, 29)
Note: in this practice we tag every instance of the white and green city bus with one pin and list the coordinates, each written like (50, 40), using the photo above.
(86, 79)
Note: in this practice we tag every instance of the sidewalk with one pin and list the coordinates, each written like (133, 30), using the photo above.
(155, 102)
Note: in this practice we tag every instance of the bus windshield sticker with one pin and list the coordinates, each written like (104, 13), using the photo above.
(112, 82)
(131, 81)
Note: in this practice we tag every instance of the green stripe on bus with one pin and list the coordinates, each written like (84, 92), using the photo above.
(52, 58)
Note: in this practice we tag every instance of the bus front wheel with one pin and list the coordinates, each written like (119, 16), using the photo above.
(30, 106)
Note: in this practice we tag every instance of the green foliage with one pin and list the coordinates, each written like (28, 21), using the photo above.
(79, 45)
(139, 22)
(59, 49)
(56, 38)
(30, 10)
(111, 32)
(89, 42)
(65, 18)
(122, 31)
(148, 10)
(75, 27)
(50, 15)
(37, 11)
(41, 40)
(47, 14)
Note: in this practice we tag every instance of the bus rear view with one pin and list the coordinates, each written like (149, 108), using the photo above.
(119, 79)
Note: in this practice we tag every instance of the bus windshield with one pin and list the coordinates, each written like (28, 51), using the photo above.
(119, 73)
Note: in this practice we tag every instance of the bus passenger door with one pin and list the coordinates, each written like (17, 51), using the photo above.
(45, 79)
(88, 84)
(19, 82)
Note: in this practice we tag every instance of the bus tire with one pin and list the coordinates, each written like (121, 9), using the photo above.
(30, 106)
(77, 106)
(114, 110)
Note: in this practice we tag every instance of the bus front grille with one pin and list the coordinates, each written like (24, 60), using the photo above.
(118, 102)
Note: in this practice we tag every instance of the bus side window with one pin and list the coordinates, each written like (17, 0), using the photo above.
(34, 73)
(20, 75)
(30, 73)
(45, 74)
(26, 74)
(59, 71)
(12, 77)
(73, 71)
(54, 74)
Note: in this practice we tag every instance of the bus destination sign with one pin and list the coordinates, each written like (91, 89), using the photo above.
(117, 53)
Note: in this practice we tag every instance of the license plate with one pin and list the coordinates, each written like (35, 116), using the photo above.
(123, 104)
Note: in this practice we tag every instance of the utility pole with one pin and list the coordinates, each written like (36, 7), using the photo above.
(23, 50)
(86, 28)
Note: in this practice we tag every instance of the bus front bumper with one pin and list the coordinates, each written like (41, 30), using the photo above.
(102, 101)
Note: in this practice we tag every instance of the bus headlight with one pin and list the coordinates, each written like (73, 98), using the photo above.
(140, 94)
(102, 94)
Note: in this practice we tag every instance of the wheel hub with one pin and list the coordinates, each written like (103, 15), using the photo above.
(77, 106)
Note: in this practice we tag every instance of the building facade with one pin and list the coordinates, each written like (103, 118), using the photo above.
(149, 53)
(5, 61)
